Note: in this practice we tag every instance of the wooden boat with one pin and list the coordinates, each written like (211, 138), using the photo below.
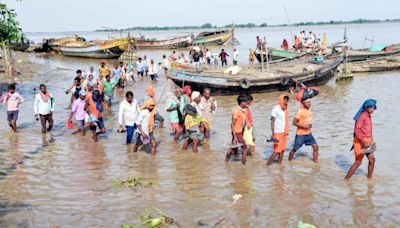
(389, 63)
(176, 42)
(252, 80)
(217, 37)
(106, 49)
(372, 53)
(55, 43)
(23, 45)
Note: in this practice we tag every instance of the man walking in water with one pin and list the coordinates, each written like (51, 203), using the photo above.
(44, 108)
(128, 113)
(13, 100)
(144, 129)
(239, 122)
(363, 143)
(303, 122)
(279, 128)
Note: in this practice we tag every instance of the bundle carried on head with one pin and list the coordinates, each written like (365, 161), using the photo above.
(307, 93)
(190, 110)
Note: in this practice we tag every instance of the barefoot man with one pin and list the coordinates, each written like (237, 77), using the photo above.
(13, 100)
(363, 143)
(279, 128)
(303, 122)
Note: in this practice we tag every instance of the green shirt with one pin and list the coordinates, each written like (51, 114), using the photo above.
(173, 115)
(108, 88)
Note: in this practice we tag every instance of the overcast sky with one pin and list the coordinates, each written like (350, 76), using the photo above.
(84, 15)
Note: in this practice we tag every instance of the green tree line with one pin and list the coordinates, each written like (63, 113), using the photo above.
(250, 25)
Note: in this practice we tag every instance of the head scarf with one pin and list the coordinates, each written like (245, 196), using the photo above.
(281, 101)
(45, 97)
(149, 103)
(195, 94)
(367, 104)
(186, 88)
(150, 91)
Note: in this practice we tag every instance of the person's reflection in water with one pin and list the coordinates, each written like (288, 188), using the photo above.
(15, 153)
(363, 207)
(242, 183)
(279, 199)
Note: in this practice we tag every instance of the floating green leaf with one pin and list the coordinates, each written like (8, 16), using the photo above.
(132, 182)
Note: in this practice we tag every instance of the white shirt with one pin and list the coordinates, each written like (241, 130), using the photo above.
(279, 114)
(166, 63)
(128, 112)
(95, 75)
(41, 107)
(146, 63)
(139, 66)
(153, 69)
(235, 55)
(208, 54)
(143, 121)
(199, 108)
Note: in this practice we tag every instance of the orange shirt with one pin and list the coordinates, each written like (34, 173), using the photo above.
(305, 117)
(240, 116)
(88, 95)
(92, 108)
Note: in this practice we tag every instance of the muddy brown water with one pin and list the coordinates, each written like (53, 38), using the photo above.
(65, 180)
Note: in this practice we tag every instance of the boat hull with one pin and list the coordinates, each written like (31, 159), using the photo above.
(99, 50)
(112, 53)
(177, 42)
(214, 38)
(222, 86)
(356, 56)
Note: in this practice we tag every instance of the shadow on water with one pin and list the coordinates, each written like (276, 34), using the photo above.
(6, 208)
(344, 163)
(4, 171)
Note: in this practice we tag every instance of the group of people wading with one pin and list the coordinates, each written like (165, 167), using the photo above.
(190, 115)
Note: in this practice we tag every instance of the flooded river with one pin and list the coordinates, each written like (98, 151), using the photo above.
(65, 180)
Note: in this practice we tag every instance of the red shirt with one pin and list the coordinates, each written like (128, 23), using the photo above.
(363, 127)
(223, 55)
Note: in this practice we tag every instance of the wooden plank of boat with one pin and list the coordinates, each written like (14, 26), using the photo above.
(176, 42)
(96, 49)
(218, 37)
(390, 63)
(364, 54)
(306, 72)
(277, 56)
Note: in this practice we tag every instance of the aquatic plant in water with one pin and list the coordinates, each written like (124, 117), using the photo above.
(132, 182)
(152, 218)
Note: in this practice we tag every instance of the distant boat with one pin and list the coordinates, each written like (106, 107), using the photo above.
(55, 43)
(217, 37)
(375, 51)
(251, 79)
(22, 45)
(105, 49)
(176, 42)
